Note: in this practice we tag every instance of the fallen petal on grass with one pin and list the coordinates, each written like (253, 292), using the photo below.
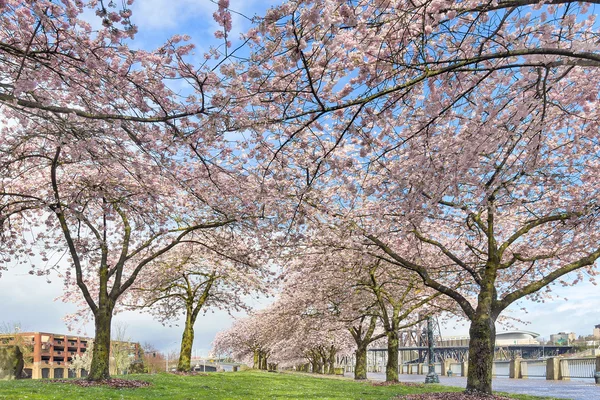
(451, 396)
(113, 383)
(407, 384)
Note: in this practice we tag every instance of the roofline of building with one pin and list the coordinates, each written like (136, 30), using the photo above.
(45, 333)
(534, 334)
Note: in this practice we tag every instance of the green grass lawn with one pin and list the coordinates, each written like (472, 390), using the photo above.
(239, 385)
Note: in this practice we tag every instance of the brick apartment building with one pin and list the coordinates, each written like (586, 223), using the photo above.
(52, 353)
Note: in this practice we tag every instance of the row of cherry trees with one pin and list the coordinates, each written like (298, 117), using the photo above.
(458, 139)
(335, 299)
(447, 147)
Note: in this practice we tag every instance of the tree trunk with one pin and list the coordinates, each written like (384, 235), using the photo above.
(391, 368)
(256, 364)
(100, 367)
(187, 341)
(332, 362)
(481, 353)
(325, 363)
(360, 368)
(315, 366)
(263, 362)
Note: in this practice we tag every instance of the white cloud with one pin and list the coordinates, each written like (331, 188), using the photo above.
(163, 14)
(29, 301)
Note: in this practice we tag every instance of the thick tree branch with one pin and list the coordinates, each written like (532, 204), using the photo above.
(427, 280)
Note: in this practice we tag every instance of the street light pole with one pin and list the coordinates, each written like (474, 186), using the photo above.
(431, 377)
(167, 356)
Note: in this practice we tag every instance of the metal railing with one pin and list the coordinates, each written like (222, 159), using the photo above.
(533, 368)
(577, 367)
(501, 368)
(456, 369)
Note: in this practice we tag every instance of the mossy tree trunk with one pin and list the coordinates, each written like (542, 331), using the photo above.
(481, 355)
(100, 366)
(193, 308)
(314, 366)
(316, 360)
(324, 362)
(331, 360)
(256, 360)
(261, 359)
(360, 367)
(391, 368)
(363, 336)
(482, 334)
(187, 342)
(264, 361)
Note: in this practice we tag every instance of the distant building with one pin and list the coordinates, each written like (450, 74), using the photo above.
(51, 354)
(453, 341)
(563, 338)
(597, 332)
(516, 338)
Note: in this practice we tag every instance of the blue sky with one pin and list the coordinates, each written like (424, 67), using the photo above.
(28, 300)
(157, 20)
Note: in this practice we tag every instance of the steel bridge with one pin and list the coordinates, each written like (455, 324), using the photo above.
(418, 354)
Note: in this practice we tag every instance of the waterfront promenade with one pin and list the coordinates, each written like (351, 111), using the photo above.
(575, 389)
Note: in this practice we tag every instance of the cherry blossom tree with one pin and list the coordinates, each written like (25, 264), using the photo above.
(247, 340)
(99, 157)
(337, 279)
(283, 335)
(306, 334)
(312, 324)
(194, 279)
(323, 280)
(115, 215)
(457, 137)
(403, 301)
(83, 361)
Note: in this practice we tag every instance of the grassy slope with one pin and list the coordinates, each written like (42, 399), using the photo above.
(240, 385)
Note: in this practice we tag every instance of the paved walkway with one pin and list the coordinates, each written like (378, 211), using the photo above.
(575, 390)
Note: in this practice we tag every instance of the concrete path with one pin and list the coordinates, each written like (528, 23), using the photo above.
(575, 390)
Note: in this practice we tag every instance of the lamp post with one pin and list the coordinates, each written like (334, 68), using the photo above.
(167, 356)
(431, 377)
